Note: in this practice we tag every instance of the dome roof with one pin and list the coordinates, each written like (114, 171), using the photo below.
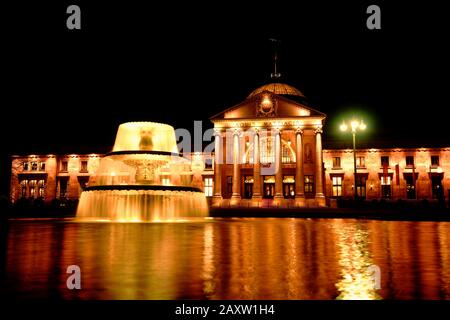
(278, 88)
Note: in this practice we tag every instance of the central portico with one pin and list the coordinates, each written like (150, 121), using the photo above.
(268, 151)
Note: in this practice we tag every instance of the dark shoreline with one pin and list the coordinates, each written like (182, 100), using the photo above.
(435, 214)
(398, 214)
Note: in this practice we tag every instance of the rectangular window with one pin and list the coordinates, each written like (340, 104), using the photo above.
(336, 162)
(361, 186)
(84, 166)
(409, 161)
(410, 187)
(24, 187)
(435, 161)
(42, 166)
(267, 150)
(63, 188)
(229, 185)
(385, 161)
(208, 187)
(337, 186)
(209, 163)
(34, 166)
(385, 181)
(286, 155)
(360, 162)
(386, 187)
(64, 166)
(26, 166)
(165, 181)
(309, 184)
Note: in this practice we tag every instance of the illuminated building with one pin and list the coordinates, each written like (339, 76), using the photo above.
(268, 152)
(269, 147)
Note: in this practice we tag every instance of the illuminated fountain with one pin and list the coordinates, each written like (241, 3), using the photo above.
(142, 179)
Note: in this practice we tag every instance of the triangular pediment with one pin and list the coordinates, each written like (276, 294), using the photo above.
(267, 105)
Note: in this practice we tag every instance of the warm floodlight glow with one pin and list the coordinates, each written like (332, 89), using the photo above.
(362, 125)
(343, 126)
(139, 181)
(354, 124)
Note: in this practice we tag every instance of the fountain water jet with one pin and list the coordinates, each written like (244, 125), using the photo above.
(142, 179)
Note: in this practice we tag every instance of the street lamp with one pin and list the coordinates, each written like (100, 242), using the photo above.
(355, 125)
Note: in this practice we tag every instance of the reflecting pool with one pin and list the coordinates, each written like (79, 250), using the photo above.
(229, 258)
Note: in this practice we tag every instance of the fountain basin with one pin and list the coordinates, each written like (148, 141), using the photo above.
(140, 203)
(143, 179)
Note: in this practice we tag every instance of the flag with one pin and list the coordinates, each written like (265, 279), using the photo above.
(385, 172)
(397, 174)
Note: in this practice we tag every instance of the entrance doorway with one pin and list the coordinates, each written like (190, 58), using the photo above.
(386, 191)
(410, 187)
(289, 187)
(248, 187)
(361, 186)
(269, 187)
(436, 186)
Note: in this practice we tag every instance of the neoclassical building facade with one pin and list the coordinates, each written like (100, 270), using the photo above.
(268, 148)
(268, 153)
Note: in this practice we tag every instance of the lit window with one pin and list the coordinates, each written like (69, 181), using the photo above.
(409, 161)
(386, 186)
(337, 186)
(286, 155)
(435, 161)
(336, 162)
(64, 166)
(208, 187)
(84, 166)
(165, 181)
(360, 162)
(309, 184)
(385, 161)
(24, 187)
(267, 150)
(385, 180)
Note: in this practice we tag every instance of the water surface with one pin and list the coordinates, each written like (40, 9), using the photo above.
(249, 258)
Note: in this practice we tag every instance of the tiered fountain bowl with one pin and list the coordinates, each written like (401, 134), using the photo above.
(143, 179)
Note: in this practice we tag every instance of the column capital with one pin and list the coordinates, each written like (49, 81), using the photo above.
(318, 130)
(256, 130)
(217, 132)
(299, 130)
(237, 132)
(276, 130)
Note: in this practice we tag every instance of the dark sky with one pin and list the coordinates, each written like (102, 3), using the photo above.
(175, 63)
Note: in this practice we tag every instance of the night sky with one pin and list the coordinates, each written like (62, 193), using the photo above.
(67, 91)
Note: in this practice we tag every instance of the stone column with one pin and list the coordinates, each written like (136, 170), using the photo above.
(278, 168)
(320, 198)
(218, 159)
(256, 168)
(299, 174)
(236, 188)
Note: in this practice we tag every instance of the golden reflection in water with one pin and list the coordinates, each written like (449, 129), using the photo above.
(357, 282)
(265, 258)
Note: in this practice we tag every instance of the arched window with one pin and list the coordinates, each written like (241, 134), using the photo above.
(267, 151)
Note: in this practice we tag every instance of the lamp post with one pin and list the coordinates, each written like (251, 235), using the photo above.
(355, 126)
